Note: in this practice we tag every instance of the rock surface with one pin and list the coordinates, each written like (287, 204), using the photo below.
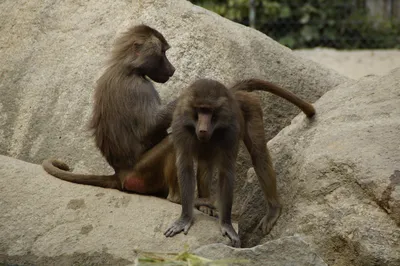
(284, 251)
(332, 176)
(338, 176)
(47, 221)
(52, 52)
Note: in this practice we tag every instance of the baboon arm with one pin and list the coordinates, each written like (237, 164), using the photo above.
(163, 119)
(164, 116)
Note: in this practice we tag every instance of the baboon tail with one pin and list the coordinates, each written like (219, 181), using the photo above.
(61, 170)
(263, 85)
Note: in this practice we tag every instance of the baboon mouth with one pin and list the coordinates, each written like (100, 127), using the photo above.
(203, 139)
(163, 79)
(159, 79)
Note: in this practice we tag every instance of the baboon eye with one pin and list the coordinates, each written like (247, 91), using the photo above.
(213, 118)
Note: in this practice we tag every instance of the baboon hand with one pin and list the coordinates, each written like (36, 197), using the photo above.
(182, 224)
(229, 231)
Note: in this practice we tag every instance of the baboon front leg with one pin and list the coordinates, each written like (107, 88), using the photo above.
(226, 182)
(254, 140)
(187, 187)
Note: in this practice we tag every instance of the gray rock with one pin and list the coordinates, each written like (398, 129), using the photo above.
(284, 251)
(338, 175)
(52, 52)
(47, 221)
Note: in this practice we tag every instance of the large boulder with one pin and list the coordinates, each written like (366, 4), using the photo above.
(52, 54)
(339, 175)
(48, 221)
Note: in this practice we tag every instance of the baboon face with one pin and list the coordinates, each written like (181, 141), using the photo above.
(209, 113)
(205, 123)
(142, 50)
(157, 66)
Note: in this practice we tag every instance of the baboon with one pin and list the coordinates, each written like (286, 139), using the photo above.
(128, 119)
(208, 123)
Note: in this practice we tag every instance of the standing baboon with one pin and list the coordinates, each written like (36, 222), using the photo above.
(208, 123)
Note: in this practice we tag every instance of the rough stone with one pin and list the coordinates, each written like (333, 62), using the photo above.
(47, 221)
(52, 52)
(338, 175)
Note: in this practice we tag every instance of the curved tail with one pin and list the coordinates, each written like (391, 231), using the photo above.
(262, 85)
(61, 170)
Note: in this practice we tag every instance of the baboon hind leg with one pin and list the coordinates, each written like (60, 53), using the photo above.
(156, 174)
(203, 203)
(254, 140)
(204, 176)
(147, 177)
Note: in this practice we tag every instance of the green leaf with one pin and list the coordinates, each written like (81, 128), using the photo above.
(331, 22)
(285, 12)
(305, 18)
(330, 34)
(309, 33)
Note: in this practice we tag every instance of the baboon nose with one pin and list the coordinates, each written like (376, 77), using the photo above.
(202, 135)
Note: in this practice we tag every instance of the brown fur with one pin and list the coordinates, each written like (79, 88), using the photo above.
(208, 123)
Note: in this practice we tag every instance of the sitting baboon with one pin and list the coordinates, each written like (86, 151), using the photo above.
(129, 123)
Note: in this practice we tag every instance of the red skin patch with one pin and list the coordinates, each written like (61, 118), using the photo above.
(135, 184)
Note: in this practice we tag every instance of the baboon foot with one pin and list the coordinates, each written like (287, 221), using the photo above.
(269, 220)
(228, 230)
(182, 224)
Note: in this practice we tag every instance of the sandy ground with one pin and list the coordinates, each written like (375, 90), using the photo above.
(354, 64)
